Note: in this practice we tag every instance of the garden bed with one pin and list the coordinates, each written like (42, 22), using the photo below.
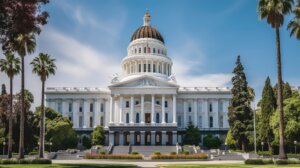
(114, 156)
(25, 161)
(200, 156)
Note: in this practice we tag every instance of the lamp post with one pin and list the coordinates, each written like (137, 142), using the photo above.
(50, 146)
(262, 146)
(225, 147)
(4, 143)
(295, 143)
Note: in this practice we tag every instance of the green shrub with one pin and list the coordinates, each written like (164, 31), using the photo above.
(173, 153)
(286, 161)
(258, 161)
(102, 152)
(186, 152)
(268, 161)
(157, 153)
(113, 156)
(200, 156)
(25, 161)
(9, 161)
(134, 153)
(264, 153)
(41, 161)
(33, 153)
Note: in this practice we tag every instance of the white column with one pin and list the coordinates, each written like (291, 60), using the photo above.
(121, 110)
(174, 137)
(65, 108)
(174, 109)
(163, 137)
(131, 137)
(75, 114)
(86, 116)
(195, 113)
(163, 120)
(142, 110)
(142, 137)
(97, 113)
(153, 137)
(205, 112)
(184, 112)
(216, 111)
(162, 68)
(131, 109)
(112, 109)
(152, 109)
(112, 137)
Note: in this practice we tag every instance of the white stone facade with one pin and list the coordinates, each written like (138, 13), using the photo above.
(144, 105)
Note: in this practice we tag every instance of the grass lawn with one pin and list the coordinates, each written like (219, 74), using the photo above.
(70, 166)
(228, 166)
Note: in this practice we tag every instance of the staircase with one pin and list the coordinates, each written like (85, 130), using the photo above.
(148, 150)
(189, 148)
(120, 150)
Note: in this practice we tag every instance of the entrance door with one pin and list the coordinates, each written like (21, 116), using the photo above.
(147, 117)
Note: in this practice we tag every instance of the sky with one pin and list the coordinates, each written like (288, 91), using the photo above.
(89, 38)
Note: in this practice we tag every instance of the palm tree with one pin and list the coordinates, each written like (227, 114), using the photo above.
(24, 44)
(43, 66)
(294, 25)
(274, 11)
(11, 66)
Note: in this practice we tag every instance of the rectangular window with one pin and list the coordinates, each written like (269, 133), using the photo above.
(91, 107)
(137, 102)
(157, 102)
(101, 121)
(221, 122)
(91, 122)
(102, 107)
(144, 49)
(221, 107)
(140, 50)
(80, 107)
(70, 118)
(153, 50)
(149, 67)
(127, 104)
(166, 104)
(211, 122)
(210, 107)
(179, 121)
(166, 117)
(190, 108)
(145, 67)
(200, 122)
(59, 107)
(149, 50)
(70, 107)
(154, 69)
(80, 121)
(140, 68)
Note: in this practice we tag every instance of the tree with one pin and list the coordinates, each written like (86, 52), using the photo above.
(43, 66)
(286, 90)
(211, 142)
(98, 137)
(294, 25)
(3, 90)
(274, 11)
(240, 113)
(268, 107)
(230, 140)
(192, 136)
(11, 66)
(86, 142)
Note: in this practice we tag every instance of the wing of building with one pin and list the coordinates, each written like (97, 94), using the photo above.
(144, 105)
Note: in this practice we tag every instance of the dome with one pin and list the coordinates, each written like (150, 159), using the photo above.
(147, 31)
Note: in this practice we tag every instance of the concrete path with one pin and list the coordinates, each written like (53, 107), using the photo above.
(142, 163)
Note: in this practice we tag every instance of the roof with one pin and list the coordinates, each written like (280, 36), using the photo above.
(147, 32)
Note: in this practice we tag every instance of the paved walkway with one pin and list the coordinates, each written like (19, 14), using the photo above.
(143, 163)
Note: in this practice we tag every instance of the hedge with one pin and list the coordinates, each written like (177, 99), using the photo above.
(270, 161)
(113, 156)
(200, 156)
(287, 161)
(25, 161)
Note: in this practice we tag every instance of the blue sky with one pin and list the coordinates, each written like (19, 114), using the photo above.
(89, 38)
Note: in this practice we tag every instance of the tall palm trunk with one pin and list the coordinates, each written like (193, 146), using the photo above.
(41, 149)
(282, 154)
(21, 142)
(10, 119)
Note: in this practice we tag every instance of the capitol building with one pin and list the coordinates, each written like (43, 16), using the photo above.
(144, 105)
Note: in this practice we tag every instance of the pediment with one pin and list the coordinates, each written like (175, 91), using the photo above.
(144, 82)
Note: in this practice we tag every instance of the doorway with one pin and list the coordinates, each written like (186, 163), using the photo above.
(147, 117)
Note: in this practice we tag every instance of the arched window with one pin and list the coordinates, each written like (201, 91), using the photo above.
(157, 117)
(210, 107)
(127, 117)
(153, 50)
(140, 50)
(137, 118)
(211, 122)
(145, 49)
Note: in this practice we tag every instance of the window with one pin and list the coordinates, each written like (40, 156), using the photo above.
(70, 107)
(140, 68)
(80, 107)
(210, 107)
(190, 119)
(158, 51)
(157, 138)
(154, 68)
(80, 121)
(157, 117)
(137, 102)
(127, 104)
(149, 67)
(127, 117)
(102, 107)
(179, 121)
(153, 50)
(70, 118)
(220, 106)
(91, 122)
(190, 108)
(221, 122)
(157, 102)
(91, 107)
(200, 122)
(59, 107)
(140, 50)
(166, 117)
(159, 69)
(135, 50)
(144, 49)
(145, 67)
(149, 50)
(137, 118)
(101, 121)
(211, 122)
(166, 104)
